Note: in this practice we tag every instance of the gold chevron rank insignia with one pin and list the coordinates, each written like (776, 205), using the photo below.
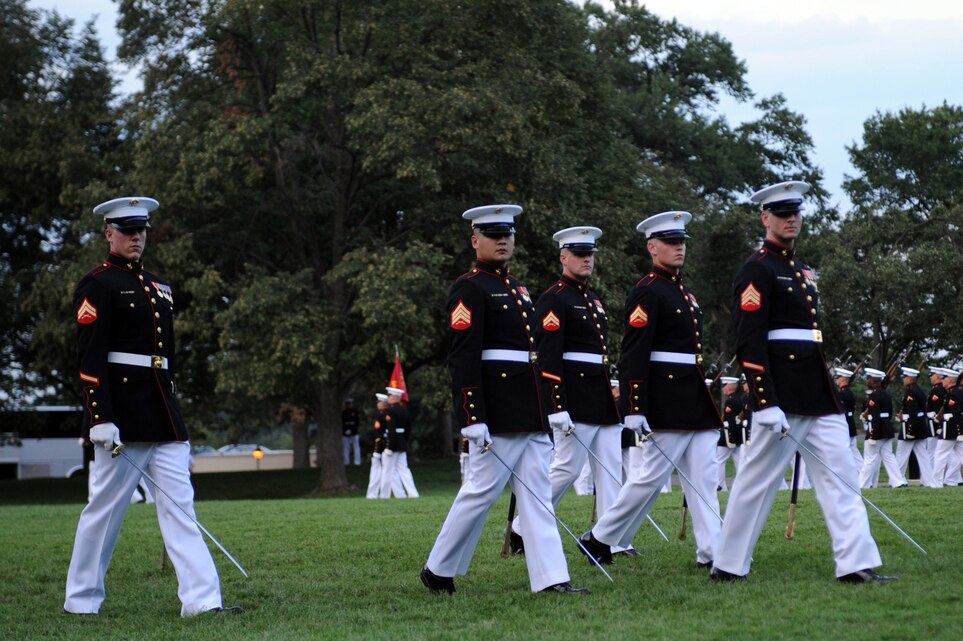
(460, 317)
(751, 299)
(86, 313)
(551, 322)
(638, 317)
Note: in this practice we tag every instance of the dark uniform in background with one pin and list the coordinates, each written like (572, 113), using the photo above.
(914, 429)
(949, 446)
(350, 438)
(125, 341)
(848, 401)
(380, 441)
(779, 345)
(878, 446)
(497, 398)
(394, 460)
(662, 389)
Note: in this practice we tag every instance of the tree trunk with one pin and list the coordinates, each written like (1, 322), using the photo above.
(333, 479)
(302, 456)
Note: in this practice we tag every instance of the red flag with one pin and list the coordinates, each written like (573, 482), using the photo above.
(398, 379)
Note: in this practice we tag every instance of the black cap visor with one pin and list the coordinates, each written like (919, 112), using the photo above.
(129, 223)
(784, 208)
(495, 230)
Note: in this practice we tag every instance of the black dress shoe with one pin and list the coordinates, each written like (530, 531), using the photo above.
(600, 551)
(721, 576)
(566, 588)
(517, 543)
(80, 614)
(231, 609)
(704, 564)
(437, 583)
(631, 552)
(866, 576)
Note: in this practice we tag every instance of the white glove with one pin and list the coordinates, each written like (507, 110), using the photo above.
(561, 421)
(477, 434)
(871, 441)
(960, 437)
(105, 435)
(638, 424)
(773, 419)
(931, 414)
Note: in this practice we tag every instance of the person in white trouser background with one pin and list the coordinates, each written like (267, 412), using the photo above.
(878, 446)
(913, 437)
(377, 450)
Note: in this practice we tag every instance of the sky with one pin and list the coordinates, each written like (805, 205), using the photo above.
(838, 62)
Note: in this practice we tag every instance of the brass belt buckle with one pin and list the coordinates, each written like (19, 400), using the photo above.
(157, 362)
(533, 357)
(605, 359)
(817, 336)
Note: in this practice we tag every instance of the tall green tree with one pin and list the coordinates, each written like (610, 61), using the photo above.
(891, 274)
(56, 132)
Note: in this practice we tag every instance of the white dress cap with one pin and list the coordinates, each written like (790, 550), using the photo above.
(785, 197)
(495, 218)
(869, 372)
(577, 238)
(668, 224)
(729, 380)
(839, 371)
(127, 212)
(395, 391)
(381, 397)
(909, 371)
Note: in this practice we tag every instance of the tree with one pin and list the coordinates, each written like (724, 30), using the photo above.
(56, 133)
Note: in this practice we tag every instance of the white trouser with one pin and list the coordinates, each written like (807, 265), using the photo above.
(527, 455)
(583, 484)
(374, 476)
(881, 450)
(949, 456)
(754, 491)
(390, 478)
(723, 454)
(694, 454)
(404, 473)
(112, 482)
(631, 463)
(924, 458)
(571, 456)
(857, 455)
(463, 468)
(352, 443)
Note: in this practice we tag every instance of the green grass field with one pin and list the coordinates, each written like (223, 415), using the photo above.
(347, 568)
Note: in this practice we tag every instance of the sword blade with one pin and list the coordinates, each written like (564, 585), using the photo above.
(651, 439)
(488, 448)
(858, 493)
(120, 450)
(617, 480)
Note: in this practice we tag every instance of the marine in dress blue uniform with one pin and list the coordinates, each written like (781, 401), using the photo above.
(498, 404)
(779, 344)
(949, 444)
(571, 336)
(847, 400)
(914, 429)
(377, 451)
(878, 446)
(394, 460)
(662, 392)
(125, 341)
